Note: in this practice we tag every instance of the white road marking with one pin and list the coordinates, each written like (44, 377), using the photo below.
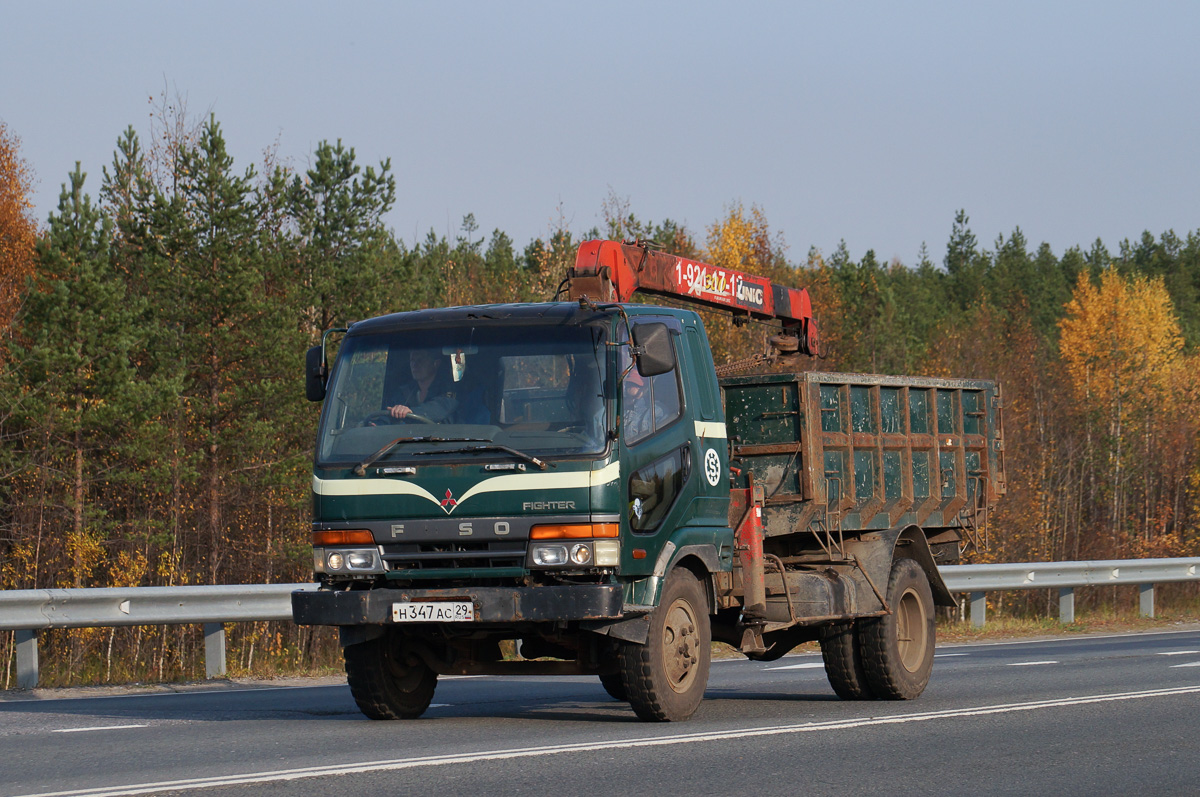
(1029, 663)
(584, 747)
(808, 665)
(949, 655)
(1057, 639)
(1189, 664)
(98, 728)
(1179, 652)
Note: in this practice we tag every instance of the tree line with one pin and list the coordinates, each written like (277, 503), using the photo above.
(152, 334)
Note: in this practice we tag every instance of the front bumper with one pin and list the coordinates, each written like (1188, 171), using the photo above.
(492, 604)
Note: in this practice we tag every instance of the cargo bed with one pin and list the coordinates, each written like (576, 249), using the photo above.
(839, 455)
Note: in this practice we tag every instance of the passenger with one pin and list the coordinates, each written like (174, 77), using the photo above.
(648, 407)
(430, 396)
(639, 411)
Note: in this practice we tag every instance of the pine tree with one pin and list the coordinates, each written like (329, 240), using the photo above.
(965, 265)
(81, 398)
(342, 249)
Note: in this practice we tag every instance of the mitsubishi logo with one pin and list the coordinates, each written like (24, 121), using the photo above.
(448, 503)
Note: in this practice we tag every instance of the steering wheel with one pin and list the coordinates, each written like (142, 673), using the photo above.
(385, 418)
(412, 417)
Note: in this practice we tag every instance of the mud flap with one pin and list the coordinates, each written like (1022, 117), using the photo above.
(876, 551)
(912, 544)
(633, 629)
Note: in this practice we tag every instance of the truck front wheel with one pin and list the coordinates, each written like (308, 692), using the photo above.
(387, 682)
(897, 649)
(665, 678)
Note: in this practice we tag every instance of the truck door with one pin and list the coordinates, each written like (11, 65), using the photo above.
(658, 465)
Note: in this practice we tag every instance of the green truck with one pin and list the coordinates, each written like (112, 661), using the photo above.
(570, 488)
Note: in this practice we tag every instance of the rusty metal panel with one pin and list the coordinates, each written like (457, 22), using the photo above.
(867, 452)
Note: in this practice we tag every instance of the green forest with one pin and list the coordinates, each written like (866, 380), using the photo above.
(153, 330)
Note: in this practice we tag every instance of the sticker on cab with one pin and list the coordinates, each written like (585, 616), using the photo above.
(712, 467)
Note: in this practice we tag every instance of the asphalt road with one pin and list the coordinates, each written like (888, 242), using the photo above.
(1091, 715)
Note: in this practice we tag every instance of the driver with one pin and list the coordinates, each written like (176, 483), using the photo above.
(431, 393)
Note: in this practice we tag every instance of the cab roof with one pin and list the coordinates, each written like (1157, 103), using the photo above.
(549, 313)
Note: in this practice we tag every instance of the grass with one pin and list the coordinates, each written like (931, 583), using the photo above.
(1098, 622)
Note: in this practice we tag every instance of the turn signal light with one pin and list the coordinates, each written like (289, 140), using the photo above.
(575, 531)
(352, 537)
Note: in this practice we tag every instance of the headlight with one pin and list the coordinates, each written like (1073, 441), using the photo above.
(549, 555)
(351, 561)
(581, 554)
(597, 553)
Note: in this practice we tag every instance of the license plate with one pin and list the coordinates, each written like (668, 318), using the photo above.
(433, 612)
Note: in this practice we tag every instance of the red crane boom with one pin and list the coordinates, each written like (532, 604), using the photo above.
(607, 271)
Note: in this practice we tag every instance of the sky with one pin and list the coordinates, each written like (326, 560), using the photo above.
(865, 122)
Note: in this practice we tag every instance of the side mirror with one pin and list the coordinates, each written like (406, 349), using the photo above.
(314, 374)
(655, 355)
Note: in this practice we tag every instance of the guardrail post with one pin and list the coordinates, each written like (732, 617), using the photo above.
(27, 658)
(978, 609)
(1146, 599)
(1066, 605)
(214, 650)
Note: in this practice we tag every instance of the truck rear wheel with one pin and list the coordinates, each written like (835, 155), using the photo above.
(666, 677)
(897, 649)
(615, 687)
(387, 682)
(842, 653)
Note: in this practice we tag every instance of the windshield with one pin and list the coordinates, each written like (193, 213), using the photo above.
(537, 389)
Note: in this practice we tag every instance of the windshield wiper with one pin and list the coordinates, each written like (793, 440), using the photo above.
(541, 464)
(361, 468)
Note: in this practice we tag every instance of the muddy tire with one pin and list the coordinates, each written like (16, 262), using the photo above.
(615, 687)
(842, 654)
(666, 677)
(387, 683)
(897, 649)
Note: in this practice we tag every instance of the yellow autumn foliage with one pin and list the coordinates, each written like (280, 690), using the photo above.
(1121, 342)
(741, 241)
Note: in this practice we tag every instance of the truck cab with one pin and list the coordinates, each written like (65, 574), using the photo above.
(538, 492)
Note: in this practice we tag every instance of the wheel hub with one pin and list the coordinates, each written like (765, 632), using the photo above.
(911, 631)
(680, 646)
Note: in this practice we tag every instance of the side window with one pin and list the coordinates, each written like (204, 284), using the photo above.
(648, 403)
(654, 488)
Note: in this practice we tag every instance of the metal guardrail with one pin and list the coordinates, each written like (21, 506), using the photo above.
(978, 580)
(30, 609)
(27, 611)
